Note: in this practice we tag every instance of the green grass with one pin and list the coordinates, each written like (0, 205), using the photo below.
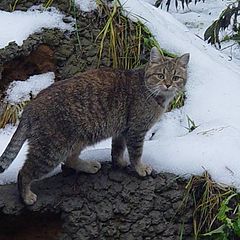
(74, 8)
(178, 101)
(181, 232)
(227, 220)
(48, 3)
(210, 201)
(191, 125)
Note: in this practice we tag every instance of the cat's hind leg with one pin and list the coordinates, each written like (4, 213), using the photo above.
(118, 148)
(73, 161)
(24, 188)
(37, 164)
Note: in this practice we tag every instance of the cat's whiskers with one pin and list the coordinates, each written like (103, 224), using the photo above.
(153, 92)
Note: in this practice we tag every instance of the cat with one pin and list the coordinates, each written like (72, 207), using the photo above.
(94, 105)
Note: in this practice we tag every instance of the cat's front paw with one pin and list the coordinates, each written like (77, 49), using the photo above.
(143, 169)
(88, 166)
(94, 166)
(30, 198)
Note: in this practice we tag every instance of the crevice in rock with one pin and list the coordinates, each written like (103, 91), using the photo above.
(30, 226)
(40, 60)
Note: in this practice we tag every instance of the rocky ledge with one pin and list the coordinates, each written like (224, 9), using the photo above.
(112, 204)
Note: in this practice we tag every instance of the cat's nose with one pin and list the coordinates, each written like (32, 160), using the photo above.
(168, 85)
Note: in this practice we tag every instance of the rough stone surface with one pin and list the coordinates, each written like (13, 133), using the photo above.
(112, 204)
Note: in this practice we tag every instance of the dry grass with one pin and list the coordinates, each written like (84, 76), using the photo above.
(207, 196)
(12, 113)
(127, 42)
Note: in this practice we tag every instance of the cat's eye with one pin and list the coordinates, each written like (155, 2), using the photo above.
(160, 76)
(176, 78)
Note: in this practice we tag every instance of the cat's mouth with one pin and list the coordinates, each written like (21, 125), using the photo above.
(167, 90)
(163, 91)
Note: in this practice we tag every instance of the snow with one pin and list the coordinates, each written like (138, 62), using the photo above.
(199, 17)
(19, 91)
(10, 175)
(86, 6)
(213, 101)
(17, 26)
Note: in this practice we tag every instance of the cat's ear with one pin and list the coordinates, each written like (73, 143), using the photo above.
(155, 55)
(184, 59)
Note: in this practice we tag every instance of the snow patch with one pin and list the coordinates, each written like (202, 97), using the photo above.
(86, 6)
(18, 25)
(19, 91)
(10, 175)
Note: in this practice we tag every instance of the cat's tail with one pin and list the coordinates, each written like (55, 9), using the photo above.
(13, 147)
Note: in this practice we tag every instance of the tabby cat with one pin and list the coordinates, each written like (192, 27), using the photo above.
(89, 107)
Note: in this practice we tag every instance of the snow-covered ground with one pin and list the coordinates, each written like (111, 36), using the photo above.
(19, 91)
(213, 101)
(198, 18)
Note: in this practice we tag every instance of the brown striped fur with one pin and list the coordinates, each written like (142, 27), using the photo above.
(89, 107)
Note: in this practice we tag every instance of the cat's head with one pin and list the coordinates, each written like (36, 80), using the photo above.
(165, 76)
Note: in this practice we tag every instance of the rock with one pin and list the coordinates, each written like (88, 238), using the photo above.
(73, 203)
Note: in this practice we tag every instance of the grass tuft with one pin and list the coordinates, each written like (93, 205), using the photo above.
(125, 41)
(48, 3)
(13, 5)
(208, 196)
(191, 124)
(178, 101)
(12, 113)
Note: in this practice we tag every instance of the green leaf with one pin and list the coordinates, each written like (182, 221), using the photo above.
(221, 216)
(236, 227)
(219, 230)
